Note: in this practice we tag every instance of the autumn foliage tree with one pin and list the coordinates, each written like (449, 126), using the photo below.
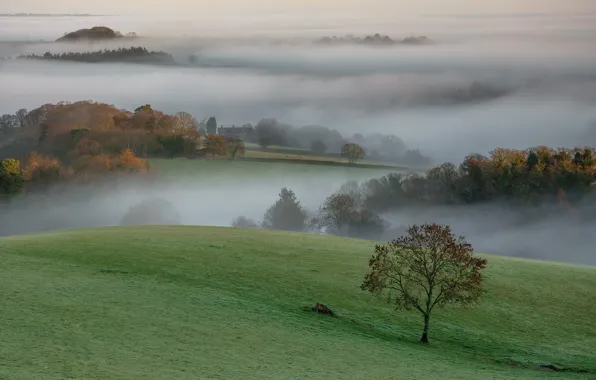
(43, 170)
(214, 144)
(427, 268)
(127, 161)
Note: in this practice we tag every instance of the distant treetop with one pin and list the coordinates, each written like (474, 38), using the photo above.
(95, 33)
(375, 39)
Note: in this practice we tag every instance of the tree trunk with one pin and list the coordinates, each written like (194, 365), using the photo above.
(424, 339)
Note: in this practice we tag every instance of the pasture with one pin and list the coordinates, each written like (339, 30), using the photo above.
(173, 302)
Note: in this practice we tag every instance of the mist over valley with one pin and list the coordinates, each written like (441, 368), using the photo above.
(514, 83)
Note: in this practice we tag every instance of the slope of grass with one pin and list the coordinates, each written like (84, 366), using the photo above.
(267, 169)
(219, 303)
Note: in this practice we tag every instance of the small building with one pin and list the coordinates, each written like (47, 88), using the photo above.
(241, 133)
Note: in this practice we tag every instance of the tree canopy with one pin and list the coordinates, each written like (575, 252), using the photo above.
(427, 268)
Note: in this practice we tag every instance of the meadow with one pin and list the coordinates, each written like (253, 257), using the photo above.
(267, 168)
(182, 302)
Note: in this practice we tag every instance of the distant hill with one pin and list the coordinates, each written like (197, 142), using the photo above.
(50, 15)
(94, 34)
(375, 39)
(133, 55)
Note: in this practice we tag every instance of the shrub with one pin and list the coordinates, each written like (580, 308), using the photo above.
(244, 222)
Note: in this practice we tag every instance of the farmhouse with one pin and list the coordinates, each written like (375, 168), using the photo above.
(236, 132)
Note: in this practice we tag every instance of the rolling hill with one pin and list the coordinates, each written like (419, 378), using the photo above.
(173, 302)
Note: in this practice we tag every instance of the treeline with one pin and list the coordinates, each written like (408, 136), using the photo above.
(132, 54)
(139, 130)
(86, 141)
(375, 39)
(532, 180)
(321, 141)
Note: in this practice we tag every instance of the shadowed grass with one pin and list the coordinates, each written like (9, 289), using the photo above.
(220, 303)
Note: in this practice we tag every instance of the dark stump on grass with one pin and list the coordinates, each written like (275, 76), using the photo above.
(322, 309)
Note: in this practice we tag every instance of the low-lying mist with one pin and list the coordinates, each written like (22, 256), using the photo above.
(211, 199)
(495, 229)
(503, 230)
(445, 103)
(513, 82)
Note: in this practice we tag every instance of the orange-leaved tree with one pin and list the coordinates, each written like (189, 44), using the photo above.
(426, 268)
(129, 162)
(214, 144)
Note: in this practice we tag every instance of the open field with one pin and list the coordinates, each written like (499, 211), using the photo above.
(253, 146)
(267, 168)
(309, 158)
(287, 153)
(219, 303)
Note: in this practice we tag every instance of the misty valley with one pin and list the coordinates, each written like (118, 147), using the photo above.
(173, 178)
(416, 113)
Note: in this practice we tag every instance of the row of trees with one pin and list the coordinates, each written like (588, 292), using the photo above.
(338, 215)
(132, 54)
(51, 144)
(40, 171)
(54, 129)
(532, 180)
(321, 140)
(51, 120)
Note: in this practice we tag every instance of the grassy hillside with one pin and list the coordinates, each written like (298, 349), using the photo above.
(266, 169)
(218, 303)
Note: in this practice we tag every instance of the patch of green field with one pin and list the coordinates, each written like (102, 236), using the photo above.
(220, 303)
(285, 153)
(253, 146)
(290, 155)
(239, 169)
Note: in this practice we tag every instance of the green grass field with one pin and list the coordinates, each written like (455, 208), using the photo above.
(227, 169)
(220, 303)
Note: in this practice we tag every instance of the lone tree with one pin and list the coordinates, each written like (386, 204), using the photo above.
(286, 214)
(235, 147)
(428, 267)
(214, 144)
(353, 152)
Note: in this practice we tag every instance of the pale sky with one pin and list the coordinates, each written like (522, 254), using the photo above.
(404, 7)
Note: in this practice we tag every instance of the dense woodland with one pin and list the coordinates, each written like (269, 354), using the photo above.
(132, 54)
(375, 39)
(85, 141)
